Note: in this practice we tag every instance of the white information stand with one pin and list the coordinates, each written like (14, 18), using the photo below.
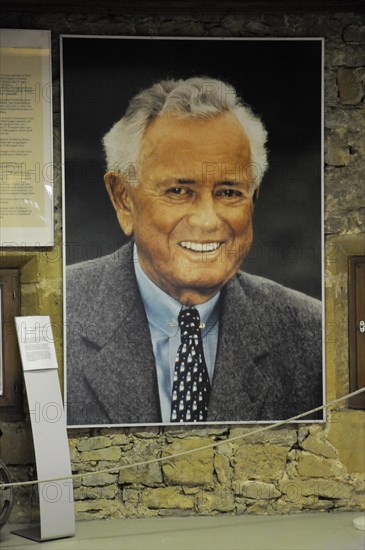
(57, 514)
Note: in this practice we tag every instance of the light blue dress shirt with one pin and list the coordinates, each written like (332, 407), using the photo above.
(162, 312)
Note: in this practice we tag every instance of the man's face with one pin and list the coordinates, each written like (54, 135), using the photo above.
(191, 214)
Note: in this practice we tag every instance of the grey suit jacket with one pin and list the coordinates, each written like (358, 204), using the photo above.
(269, 358)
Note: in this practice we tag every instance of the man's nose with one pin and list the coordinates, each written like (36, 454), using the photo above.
(204, 215)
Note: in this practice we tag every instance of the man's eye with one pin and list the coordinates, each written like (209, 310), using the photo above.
(229, 193)
(177, 191)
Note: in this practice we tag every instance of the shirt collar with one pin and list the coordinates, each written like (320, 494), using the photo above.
(162, 310)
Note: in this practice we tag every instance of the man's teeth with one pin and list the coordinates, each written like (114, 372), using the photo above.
(200, 247)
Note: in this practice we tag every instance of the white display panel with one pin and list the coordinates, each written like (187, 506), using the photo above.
(36, 343)
(26, 168)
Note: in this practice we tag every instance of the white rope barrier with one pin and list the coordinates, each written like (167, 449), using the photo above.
(117, 469)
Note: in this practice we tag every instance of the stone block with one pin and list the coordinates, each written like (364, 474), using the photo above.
(79, 467)
(338, 55)
(121, 439)
(283, 506)
(183, 28)
(192, 469)
(310, 465)
(167, 497)
(74, 454)
(256, 490)
(280, 436)
(349, 86)
(217, 501)
(234, 23)
(359, 502)
(354, 33)
(302, 433)
(131, 496)
(99, 480)
(292, 469)
(149, 474)
(318, 446)
(107, 492)
(343, 200)
(295, 489)
(259, 507)
(313, 503)
(241, 508)
(355, 56)
(358, 481)
(112, 467)
(223, 469)
(345, 505)
(151, 433)
(330, 89)
(108, 454)
(351, 119)
(317, 430)
(266, 462)
(337, 152)
(293, 455)
(190, 490)
(225, 449)
(93, 443)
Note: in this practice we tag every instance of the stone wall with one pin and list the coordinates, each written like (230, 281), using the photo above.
(301, 467)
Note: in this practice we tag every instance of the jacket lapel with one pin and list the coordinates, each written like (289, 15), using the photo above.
(241, 379)
(123, 375)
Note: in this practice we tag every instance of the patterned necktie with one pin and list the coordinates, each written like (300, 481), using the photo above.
(191, 387)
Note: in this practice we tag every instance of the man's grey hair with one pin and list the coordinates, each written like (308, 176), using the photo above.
(198, 97)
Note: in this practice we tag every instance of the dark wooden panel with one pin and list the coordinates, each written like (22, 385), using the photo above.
(11, 400)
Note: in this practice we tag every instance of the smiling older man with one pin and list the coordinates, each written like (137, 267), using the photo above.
(167, 329)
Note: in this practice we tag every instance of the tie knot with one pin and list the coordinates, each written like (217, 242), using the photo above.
(189, 321)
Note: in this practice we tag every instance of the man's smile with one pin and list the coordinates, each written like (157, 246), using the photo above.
(200, 246)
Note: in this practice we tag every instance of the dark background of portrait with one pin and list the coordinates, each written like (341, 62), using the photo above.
(279, 79)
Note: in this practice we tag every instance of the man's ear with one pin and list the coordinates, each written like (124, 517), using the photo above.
(120, 194)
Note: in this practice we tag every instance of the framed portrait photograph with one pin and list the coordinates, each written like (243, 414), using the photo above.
(193, 230)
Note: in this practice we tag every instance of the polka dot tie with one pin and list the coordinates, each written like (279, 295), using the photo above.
(191, 386)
